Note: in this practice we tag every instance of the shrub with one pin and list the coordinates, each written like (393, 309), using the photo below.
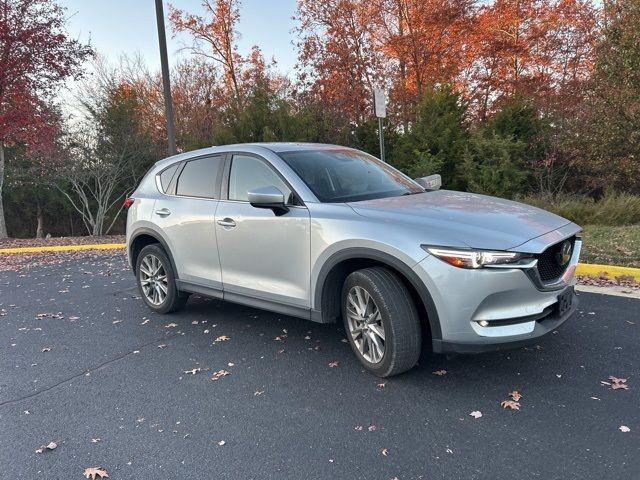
(612, 209)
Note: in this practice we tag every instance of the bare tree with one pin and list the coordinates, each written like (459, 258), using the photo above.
(107, 151)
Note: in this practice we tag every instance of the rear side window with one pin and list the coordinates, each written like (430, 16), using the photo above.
(167, 175)
(199, 178)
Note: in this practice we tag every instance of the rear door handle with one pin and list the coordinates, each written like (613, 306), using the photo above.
(227, 223)
(163, 212)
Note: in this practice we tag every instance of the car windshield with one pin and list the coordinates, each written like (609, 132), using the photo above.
(345, 175)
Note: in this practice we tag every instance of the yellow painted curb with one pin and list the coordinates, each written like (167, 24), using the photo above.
(610, 271)
(63, 248)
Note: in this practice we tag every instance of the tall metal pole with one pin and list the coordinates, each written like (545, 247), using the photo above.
(166, 81)
(381, 133)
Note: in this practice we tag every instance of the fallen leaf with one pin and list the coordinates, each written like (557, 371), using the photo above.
(617, 383)
(385, 451)
(515, 396)
(49, 446)
(92, 472)
(219, 374)
(222, 338)
(333, 364)
(476, 414)
(624, 428)
(440, 372)
(512, 404)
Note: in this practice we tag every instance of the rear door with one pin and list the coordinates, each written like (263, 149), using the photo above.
(186, 214)
(264, 256)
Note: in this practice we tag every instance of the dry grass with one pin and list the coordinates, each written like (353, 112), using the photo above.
(609, 245)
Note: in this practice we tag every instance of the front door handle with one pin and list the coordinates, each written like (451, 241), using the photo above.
(163, 212)
(227, 223)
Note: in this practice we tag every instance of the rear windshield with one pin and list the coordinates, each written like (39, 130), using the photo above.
(345, 175)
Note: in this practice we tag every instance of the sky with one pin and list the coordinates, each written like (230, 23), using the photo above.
(115, 27)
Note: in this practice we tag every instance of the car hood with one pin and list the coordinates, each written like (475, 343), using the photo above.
(450, 218)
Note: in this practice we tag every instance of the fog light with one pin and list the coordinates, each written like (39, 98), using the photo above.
(483, 323)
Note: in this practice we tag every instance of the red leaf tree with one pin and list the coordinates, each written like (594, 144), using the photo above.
(36, 55)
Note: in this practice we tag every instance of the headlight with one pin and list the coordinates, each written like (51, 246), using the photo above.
(473, 258)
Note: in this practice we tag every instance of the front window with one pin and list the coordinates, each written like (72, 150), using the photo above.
(249, 173)
(345, 175)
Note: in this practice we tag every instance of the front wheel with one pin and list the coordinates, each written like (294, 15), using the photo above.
(156, 281)
(381, 321)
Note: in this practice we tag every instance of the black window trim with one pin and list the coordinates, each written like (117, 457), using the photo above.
(227, 174)
(217, 189)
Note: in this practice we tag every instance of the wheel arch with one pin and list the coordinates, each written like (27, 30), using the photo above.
(142, 237)
(327, 291)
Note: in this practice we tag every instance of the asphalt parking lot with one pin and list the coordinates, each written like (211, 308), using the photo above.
(86, 365)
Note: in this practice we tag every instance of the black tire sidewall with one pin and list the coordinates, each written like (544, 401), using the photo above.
(385, 367)
(172, 297)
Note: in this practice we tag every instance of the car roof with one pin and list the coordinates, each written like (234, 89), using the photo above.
(276, 147)
(284, 146)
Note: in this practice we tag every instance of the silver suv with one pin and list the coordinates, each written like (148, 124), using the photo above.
(325, 233)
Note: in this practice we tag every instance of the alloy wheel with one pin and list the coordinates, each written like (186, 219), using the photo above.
(365, 324)
(153, 279)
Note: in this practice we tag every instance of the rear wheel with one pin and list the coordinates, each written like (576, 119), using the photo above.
(156, 281)
(381, 321)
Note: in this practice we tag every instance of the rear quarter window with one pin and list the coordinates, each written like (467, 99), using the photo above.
(166, 175)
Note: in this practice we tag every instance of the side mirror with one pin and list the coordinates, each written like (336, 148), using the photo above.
(268, 197)
(431, 182)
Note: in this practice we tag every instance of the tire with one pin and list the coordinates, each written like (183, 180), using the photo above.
(173, 299)
(396, 313)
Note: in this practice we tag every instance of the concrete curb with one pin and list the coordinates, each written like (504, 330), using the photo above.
(584, 269)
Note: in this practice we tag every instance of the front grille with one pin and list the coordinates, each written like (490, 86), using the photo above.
(548, 266)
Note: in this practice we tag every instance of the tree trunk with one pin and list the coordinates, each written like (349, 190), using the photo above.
(3, 225)
(39, 233)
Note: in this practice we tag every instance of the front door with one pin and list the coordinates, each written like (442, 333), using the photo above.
(264, 256)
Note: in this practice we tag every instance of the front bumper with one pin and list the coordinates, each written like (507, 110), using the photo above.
(540, 328)
(493, 309)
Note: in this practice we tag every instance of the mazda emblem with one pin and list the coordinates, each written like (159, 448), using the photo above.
(564, 255)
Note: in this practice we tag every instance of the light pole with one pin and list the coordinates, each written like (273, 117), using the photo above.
(166, 81)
